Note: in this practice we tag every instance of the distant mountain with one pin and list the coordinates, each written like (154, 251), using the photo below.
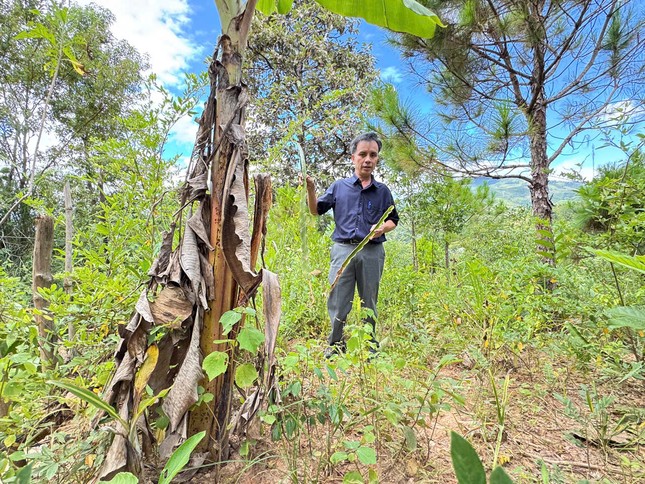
(516, 192)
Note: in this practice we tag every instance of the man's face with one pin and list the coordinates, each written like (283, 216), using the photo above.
(365, 159)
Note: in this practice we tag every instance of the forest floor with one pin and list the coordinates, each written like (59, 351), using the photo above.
(597, 436)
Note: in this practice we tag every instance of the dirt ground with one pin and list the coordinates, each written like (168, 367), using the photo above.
(542, 441)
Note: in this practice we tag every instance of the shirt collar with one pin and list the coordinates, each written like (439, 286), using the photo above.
(354, 180)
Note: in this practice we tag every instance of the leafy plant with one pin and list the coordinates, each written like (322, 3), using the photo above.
(468, 466)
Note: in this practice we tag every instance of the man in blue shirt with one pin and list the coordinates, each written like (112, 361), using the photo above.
(358, 203)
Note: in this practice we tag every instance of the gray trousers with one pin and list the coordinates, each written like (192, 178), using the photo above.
(363, 272)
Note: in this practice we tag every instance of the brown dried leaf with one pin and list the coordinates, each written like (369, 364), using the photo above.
(197, 186)
(190, 264)
(235, 228)
(161, 262)
(116, 459)
(198, 223)
(143, 307)
(183, 392)
(263, 200)
(124, 372)
(171, 307)
(272, 309)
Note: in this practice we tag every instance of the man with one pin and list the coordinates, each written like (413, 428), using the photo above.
(358, 203)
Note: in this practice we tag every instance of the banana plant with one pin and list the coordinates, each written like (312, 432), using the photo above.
(213, 268)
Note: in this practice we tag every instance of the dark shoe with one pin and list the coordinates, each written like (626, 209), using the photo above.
(336, 349)
(373, 353)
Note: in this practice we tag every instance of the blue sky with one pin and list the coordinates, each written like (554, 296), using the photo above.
(178, 35)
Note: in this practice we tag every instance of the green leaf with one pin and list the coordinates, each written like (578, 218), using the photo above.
(179, 458)
(410, 439)
(465, 461)
(626, 317)
(215, 364)
(267, 7)
(245, 375)
(284, 6)
(23, 476)
(89, 397)
(637, 262)
(250, 339)
(353, 477)
(405, 16)
(366, 455)
(12, 389)
(337, 457)
(124, 478)
(499, 476)
(228, 320)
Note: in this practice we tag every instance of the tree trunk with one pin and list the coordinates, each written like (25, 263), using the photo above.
(415, 254)
(536, 115)
(226, 78)
(42, 278)
(69, 234)
(539, 187)
(446, 254)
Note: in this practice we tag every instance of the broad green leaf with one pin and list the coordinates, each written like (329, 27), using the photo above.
(405, 16)
(23, 476)
(637, 262)
(284, 6)
(337, 457)
(124, 478)
(267, 7)
(229, 319)
(245, 375)
(250, 339)
(410, 439)
(179, 458)
(12, 389)
(499, 476)
(366, 455)
(353, 477)
(215, 364)
(89, 397)
(465, 461)
(626, 317)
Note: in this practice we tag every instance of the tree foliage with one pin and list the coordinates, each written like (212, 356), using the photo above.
(309, 77)
(64, 84)
(502, 72)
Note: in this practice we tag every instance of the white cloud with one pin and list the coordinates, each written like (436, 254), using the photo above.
(158, 28)
(391, 74)
(184, 131)
(582, 167)
(627, 110)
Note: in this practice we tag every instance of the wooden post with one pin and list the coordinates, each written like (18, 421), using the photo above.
(42, 277)
(69, 234)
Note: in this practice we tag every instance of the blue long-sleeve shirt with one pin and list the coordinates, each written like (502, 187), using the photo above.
(356, 208)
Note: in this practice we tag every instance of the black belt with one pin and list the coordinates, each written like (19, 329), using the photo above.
(350, 241)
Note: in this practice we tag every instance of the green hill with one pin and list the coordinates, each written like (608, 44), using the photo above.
(516, 192)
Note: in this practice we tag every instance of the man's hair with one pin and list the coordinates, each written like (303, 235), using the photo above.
(364, 137)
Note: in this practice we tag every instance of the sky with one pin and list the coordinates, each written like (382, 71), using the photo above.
(178, 35)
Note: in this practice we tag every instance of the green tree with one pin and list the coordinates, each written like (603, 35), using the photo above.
(517, 82)
(310, 79)
(66, 78)
(612, 205)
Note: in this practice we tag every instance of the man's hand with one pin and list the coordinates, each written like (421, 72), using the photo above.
(378, 232)
(311, 195)
(386, 227)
